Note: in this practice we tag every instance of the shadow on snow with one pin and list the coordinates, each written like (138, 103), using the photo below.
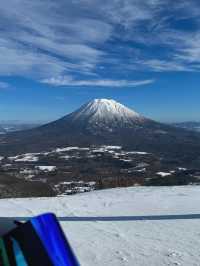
(111, 218)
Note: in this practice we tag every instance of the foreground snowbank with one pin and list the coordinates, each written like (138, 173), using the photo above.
(134, 226)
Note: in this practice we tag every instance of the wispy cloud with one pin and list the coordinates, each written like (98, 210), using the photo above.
(157, 65)
(38, 36)
(46, 40)
(69, 81)
(4, 85)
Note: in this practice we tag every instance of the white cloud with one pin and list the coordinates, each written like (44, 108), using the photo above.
(69, 81)
(4, 85)
(164, 66)
(45, 39)
(190, 49)
(38, 35)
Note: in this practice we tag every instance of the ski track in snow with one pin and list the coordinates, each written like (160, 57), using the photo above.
(125, 242)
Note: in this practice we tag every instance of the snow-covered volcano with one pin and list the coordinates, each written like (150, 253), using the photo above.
(106, 109)
(106, 113)
(104, 122)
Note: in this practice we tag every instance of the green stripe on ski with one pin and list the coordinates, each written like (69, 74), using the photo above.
(3, 254)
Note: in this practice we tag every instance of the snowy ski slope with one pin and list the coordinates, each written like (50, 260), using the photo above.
(126, 226)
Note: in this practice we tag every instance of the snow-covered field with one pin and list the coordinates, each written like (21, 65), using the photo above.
(127, 226)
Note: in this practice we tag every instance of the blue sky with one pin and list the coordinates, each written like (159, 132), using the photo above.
(56, 55)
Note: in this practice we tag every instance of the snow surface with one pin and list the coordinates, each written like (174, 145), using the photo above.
(163, 174)
(47, 168)
(66, 149)
(137, 152)
(152, 226)
(182, 168)
(27, 157)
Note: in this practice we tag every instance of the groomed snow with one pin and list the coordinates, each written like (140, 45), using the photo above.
(133, 226)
